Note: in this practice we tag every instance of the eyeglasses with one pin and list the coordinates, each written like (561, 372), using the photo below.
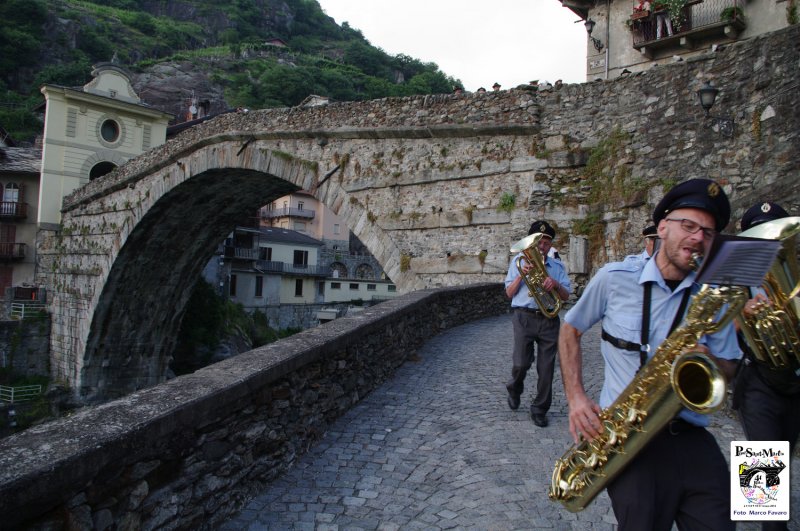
(692, 227)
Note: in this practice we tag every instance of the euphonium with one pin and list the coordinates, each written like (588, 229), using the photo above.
(674, 378)
(548, 301)
(772, 330)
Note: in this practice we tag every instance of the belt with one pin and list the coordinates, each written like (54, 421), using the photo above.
(621, 343)
(528, 310)
(678, 425)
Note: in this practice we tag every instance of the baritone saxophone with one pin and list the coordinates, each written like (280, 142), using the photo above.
(673, 379)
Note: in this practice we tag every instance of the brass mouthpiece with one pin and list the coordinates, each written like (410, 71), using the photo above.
(696, 261)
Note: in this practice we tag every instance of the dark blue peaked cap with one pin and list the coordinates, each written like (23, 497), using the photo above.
(543, 227)
(704, 194)
(761, 213)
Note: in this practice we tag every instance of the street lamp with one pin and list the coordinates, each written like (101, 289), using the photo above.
(589, 25)
(708, 95)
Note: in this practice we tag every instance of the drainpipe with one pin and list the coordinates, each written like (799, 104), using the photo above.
(608, 34)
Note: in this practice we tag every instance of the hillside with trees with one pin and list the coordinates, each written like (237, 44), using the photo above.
(234, 53)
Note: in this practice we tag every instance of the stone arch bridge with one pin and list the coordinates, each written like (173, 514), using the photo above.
(437, 187)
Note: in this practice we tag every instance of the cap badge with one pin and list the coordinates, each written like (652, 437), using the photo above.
(541, 227)
(713, 190)
(765, 208)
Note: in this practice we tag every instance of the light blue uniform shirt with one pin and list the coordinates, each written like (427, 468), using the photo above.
(615, 295)
(555, 268)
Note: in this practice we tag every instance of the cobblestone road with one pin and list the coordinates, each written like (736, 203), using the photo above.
(438, 448)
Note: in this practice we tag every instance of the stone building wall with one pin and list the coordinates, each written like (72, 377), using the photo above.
(186, 453)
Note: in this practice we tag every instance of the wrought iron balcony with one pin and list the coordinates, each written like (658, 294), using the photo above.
(240, 253)
(288, 212)
(12, 251)
(13, 209)
(700, 20)
(286, 268)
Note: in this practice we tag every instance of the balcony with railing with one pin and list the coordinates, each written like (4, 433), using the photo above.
(13, 210)
(240, 253)
(10, 251)
(699, 20)
(267, 266)
(288, 212)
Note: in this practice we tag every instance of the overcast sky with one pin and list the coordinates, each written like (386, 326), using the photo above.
(479, 42)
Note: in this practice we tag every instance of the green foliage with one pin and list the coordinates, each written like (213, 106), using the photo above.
(792, 16)
(16, 116)
(268, 77)
(208, 319)
(605, 173)
(22, 22)
(507, 202)
(202, 326)
(731, 13)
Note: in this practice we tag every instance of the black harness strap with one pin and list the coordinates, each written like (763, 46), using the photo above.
(644, 347)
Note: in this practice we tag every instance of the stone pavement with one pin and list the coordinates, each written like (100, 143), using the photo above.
(438, 448)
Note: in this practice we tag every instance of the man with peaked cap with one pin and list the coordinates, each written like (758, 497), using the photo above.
(650, 234)
(680, 475)
(532, 327)
(767, 398)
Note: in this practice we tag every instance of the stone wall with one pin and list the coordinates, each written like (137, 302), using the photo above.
(186, 453)
(24, 346)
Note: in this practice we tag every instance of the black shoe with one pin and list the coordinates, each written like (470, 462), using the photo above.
(540, 419)
(513, 401)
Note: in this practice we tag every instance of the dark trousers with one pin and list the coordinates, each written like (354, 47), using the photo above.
(766, 415)
(532, 329)
(681, 477)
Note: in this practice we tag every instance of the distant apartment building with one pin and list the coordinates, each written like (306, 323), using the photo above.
(19, 181)
(628, 36)
(349, 261)
(300, 267)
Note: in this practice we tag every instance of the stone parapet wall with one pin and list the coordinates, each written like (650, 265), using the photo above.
(186, 453)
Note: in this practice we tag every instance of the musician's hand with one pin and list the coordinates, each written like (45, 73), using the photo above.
(526, 267)
(549, 283)
(584, 420)
(755, 304)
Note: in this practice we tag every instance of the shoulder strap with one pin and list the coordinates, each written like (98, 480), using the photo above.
(645, 348)
(648, 289)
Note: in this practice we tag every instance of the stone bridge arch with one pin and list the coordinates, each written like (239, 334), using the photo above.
(133, 243)
(131, 247)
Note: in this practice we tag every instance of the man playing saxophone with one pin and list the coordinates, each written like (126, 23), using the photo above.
(681, 475)
(766, 397)
(532, 326)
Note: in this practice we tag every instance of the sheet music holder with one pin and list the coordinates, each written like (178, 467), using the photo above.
(737, 261)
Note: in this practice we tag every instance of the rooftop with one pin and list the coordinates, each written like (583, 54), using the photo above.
(20, 160)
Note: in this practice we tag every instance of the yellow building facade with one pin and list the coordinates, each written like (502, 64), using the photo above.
(89, 131)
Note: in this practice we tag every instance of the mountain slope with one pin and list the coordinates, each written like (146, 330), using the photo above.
(221, 51)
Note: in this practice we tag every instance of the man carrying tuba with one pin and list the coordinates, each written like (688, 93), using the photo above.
(680, 475)
(532, 324)
(767, 397)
